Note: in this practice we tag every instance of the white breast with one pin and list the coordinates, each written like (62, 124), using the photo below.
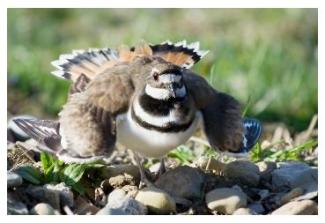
(151, 143)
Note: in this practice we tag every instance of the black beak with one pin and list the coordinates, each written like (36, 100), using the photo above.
(173, 88)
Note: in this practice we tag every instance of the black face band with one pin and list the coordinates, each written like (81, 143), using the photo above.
(169, 127)
(172, 71)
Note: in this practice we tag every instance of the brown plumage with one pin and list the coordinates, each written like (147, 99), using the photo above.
(107, 83)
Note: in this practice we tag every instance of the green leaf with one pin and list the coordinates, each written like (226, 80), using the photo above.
(94, 165)
(30, 174)
(210, 152)
(47, 161)
(183, 154)
(73, 173)
(256, 153)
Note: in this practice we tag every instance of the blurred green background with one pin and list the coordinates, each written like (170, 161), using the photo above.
(265, 56)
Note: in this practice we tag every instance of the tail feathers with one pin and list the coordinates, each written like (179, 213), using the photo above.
(45, 132)
(180, 53)
(93, 61)
(252, 133)
(89, 63)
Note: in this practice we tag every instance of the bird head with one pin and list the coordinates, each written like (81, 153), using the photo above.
(165, 81)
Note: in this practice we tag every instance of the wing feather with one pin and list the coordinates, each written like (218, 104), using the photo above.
(221, 114)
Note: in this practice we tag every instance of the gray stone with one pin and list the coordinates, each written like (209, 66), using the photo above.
(51, 195)
(15, 207)
(156, 200)
(225, 200)
(58, 195)
(305, 207)
(110, 211)
(257, 208)
(116, 196)
(295, 174)
(43, 209)
(296, 192)
(84, 207)
(115, 170)
(243, 172)
(266, 168)
(35, 192)
(13, 180)
(66, 195)
(183, 181)
(120, 204)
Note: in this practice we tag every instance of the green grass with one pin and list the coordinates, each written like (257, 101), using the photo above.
(185, 154)
(267, 55)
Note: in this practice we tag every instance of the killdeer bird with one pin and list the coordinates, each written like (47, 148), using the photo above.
(144, 97)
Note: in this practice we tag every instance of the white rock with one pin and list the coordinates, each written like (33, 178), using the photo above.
(305, 207)
(116, 196)
(15, 207)
(43, 209)
(244, 211)
(225, 200)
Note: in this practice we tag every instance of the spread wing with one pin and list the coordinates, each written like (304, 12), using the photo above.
(45, 132)
(88, 120)
(223, 124)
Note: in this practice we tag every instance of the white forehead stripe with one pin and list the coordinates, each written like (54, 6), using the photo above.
(163, 93)
(169, 78)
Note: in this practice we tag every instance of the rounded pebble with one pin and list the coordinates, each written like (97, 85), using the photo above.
(243, 172)
(225, 200)
(43, 209)
(14, 180)
(156, 200)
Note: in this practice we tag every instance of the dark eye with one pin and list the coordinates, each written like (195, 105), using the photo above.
(155, 76)
(146, 60)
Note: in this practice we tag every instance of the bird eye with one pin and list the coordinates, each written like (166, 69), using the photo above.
(155, 76)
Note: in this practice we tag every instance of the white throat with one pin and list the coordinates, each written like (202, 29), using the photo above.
(162, 93)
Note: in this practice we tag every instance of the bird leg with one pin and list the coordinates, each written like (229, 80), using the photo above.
(162, 168)
(144, 180)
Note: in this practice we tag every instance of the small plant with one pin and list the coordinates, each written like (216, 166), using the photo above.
(183, 153)
(56, 171)
(294, 153)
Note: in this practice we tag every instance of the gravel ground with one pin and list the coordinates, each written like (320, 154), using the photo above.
(204, 185)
